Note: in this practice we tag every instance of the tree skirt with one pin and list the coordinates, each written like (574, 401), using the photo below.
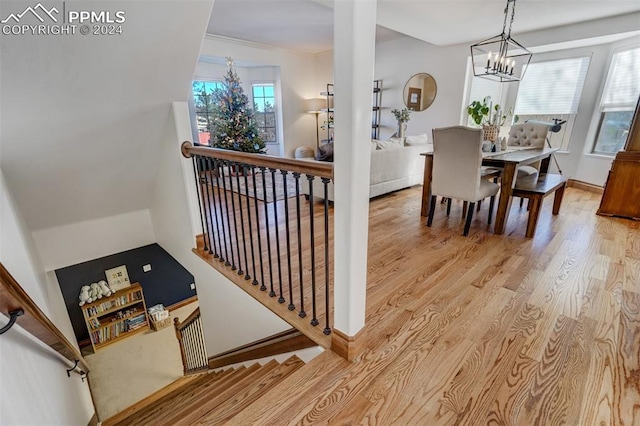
(259, 192)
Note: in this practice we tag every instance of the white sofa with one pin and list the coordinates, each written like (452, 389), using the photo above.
(391, 169)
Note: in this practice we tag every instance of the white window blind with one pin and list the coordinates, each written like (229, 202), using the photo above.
(552, 87)
(481, 88)
(623, 85)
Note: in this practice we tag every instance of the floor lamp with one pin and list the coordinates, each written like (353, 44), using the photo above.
(314, 106)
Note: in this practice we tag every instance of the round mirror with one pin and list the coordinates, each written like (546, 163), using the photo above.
(419, 92)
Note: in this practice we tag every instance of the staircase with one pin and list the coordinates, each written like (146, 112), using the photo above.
(213, 398)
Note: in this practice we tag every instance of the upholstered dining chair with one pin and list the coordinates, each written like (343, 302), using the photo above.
(528, 135)
(457, 158)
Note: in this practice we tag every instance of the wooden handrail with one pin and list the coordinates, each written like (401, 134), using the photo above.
(13, 296)
(315, 168)
(181, 325)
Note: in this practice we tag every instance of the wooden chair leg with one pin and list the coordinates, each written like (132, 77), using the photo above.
(465, 204)
(492, 202)
(479, 205)
(521, 202)
(557, 199)
(467, 224)
(432, 209)
(448, 206)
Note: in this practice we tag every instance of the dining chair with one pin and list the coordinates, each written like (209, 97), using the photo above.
(528, 135)
(457, 159)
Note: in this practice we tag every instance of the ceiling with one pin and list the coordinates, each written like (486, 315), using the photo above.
(307, 25)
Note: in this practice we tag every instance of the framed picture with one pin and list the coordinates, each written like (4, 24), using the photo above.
(413, 98)
(118, 277)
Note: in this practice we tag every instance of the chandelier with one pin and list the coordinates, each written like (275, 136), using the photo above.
(501, 58)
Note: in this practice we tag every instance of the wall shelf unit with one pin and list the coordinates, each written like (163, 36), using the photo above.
(375, 115)
(116, 317)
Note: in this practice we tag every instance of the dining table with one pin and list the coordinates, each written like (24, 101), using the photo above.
(508, 160)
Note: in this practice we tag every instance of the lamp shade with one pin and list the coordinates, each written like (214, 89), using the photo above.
(316, 105)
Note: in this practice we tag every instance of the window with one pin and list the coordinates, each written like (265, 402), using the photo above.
(618, 101)
(264, 102)
(551, 90)
(202, 91)
(480, 88)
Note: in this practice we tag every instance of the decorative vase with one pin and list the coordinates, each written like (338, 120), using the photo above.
(402, 127)
(490, 132)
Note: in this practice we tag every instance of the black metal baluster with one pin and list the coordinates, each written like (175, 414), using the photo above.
(213, 169)
(275, 214)
(291, 306)
(218, 166)
(235, 218)
(210, 236)
(296, 176)
(240, 169)
(325, 182)
(272, 293)
(205, 235)
(255, 200)
(314, 320)
(196, 176)
(245, 170)
(226, 207)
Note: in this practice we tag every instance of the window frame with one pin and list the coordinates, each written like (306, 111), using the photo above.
(602, 109)
(275, 126)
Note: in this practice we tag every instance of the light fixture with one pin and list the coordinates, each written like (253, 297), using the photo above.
(501, 58)
(315, 106)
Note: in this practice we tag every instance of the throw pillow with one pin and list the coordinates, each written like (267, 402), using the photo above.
(325, 152)
(390, 144)
(416, 140)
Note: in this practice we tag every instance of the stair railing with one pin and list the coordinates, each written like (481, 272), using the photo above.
(191, 340)
(255, 224)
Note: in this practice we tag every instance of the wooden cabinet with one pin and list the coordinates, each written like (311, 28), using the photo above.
(116, 317)
(621, 195)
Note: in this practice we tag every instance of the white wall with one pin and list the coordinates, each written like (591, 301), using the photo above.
(221, 302)
(34, 387)
(67, 245)
(297, 76)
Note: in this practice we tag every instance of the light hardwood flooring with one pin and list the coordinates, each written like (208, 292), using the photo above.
(487, 329)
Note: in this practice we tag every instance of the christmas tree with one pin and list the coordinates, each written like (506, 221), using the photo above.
(232, 125)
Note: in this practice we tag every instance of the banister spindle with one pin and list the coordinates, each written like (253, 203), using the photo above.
(218, 166)
(196, 176)
(207, 208)
(203, 191)
(246, 170)
(302, 313)
(325, 182)
(291, 306)
(272, 293)
(240, 169)
(226, 207)
(314, 319)
(233, 166)
(277, 222)
(213, 171)
(263, 287)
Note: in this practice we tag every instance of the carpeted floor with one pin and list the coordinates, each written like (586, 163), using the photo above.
(131, 369)
(231, 183)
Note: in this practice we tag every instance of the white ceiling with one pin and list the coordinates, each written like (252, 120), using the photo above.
(307, 25)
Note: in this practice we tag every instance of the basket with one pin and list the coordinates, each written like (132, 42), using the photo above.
(159, 325)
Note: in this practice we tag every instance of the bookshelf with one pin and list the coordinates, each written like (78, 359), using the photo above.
(116, 317)
(375, 117)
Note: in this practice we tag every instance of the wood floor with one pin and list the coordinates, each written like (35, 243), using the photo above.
(487, 329)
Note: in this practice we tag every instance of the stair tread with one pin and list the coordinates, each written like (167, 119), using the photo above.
(181, 396)
(176, 409)
(248, 394)
(195, 412)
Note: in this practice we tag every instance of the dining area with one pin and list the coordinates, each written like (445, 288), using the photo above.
(459, 166)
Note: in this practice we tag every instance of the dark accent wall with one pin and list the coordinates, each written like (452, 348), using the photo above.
(168, 282)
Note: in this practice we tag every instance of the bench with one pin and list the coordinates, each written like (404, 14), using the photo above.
(535, 189)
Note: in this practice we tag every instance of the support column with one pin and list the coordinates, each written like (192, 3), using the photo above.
(354, 30)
